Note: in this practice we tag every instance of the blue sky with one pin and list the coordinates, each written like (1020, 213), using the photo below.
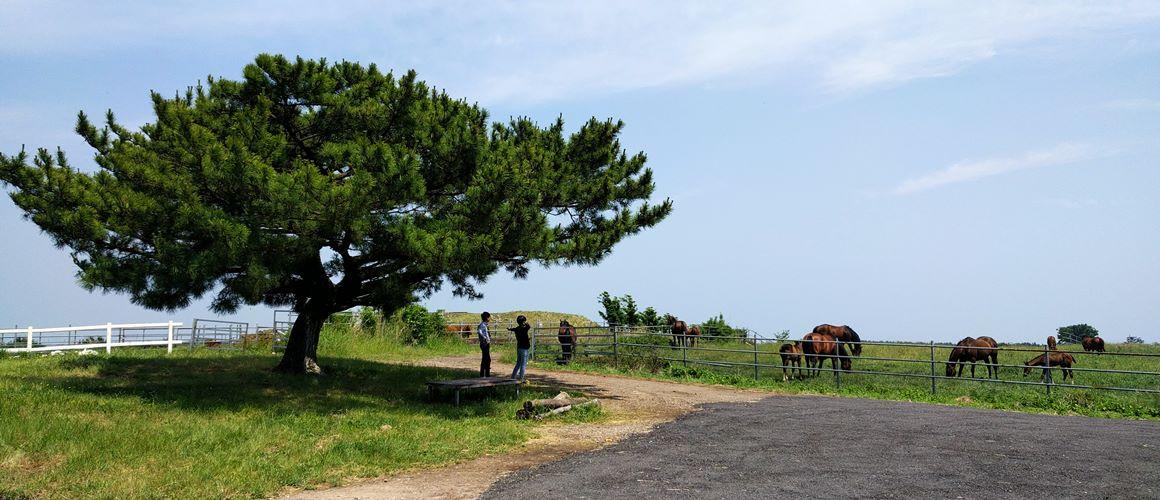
(918, 171)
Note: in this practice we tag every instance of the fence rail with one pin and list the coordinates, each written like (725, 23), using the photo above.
(108, 336)
(760, 356)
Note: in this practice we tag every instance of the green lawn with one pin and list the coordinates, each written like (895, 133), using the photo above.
(219, 424)
(712, 362)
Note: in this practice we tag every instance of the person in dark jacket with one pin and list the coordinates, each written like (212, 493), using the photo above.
(523, 344)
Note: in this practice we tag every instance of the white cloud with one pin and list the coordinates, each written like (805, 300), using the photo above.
(526, 51)
(964, 171)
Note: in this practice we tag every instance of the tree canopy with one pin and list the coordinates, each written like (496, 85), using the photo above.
(1075, 333)
(326, 186)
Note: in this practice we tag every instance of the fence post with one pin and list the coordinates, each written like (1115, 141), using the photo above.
(169, 341)
(29, 339)
(838, 370)
(755, 375)
(532, 351)
(685, 350)
(193, 335)
(1047, 370)
(108, 338)
(615, 348)
(932, 375)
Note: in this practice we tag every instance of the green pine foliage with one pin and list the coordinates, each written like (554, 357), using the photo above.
(325, 186)
(650, 317)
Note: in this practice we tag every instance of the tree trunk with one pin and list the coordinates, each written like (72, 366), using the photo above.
(301, 354)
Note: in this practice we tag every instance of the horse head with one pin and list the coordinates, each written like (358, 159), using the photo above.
(1027, 365)
(857, 348)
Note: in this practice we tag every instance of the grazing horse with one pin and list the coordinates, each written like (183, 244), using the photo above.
(567, 337)
(463, 330)
(1057, 358)
(1092, 343)
(843, 334)
(791, 356)
(694, 334)
(816, 346)
(679, 329)
(971, 350)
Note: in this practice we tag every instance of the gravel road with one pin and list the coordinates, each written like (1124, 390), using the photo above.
(813, 447)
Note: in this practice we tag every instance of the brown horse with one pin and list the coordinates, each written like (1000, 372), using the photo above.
(462, 330)
(1092, 343)
(843, 334)
(679, 329)
(816, 346)
(694, 334)
(567, 337)
(971, 350)
(791, 356)
(1051, 342)
(1057, 358)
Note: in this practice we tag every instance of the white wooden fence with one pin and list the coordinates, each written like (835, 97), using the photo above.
(71, 337)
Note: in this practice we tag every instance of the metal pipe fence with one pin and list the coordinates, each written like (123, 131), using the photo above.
(1127, 372)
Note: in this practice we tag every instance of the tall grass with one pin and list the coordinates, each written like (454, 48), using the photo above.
(206, 423)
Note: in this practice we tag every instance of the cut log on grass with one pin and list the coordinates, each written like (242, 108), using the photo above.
(540, 408)
(563, 409)
(551, 404)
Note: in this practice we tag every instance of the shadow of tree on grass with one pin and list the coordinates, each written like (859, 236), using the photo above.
(246, 381)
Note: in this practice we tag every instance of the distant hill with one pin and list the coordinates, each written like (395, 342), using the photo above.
(536, 318)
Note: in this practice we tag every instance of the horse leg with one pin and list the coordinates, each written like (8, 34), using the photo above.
(972, 369)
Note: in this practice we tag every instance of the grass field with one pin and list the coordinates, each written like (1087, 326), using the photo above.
(207, 423)
(732, 363)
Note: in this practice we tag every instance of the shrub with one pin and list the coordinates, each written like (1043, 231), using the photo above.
(368, 319)
(717, 327)
(421, 324)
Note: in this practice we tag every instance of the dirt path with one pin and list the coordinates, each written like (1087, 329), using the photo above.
(635, 406)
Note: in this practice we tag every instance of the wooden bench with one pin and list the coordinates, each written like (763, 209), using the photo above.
(470, 383)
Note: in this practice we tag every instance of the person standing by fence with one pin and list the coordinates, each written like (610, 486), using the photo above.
(484, 345)
(523, 344)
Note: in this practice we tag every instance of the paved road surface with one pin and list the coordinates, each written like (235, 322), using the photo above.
(808, 446)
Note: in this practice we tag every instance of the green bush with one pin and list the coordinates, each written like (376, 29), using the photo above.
(717, 327)
(421, 324)
(368, 319)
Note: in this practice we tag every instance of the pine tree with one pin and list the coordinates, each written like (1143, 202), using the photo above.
(631, 314)
(328, 186)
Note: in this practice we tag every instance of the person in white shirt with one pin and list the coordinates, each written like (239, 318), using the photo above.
(484, 345)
